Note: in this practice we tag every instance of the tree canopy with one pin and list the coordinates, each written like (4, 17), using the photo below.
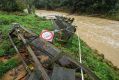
(83, 6)
(88, 6)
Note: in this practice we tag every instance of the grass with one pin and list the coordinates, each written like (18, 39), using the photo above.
(101, 67)
(10, 64)
(113, 16)
(29, 21)
(90, 57)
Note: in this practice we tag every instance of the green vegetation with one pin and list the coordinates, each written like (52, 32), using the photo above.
(12, 5)
(30, 21)
(1, 52)
(102, 8)
(17, 5)
(6, 19)
(90, 57)
(10, 64)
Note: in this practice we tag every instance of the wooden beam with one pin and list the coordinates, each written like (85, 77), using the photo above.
(35, 59)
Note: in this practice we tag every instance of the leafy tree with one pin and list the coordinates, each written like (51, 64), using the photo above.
(87, 6)
(8, 5)
(11, 5)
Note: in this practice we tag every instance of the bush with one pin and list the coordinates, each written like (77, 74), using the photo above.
(11, 5)
(21, 4)
(85, 6)
(1, 52)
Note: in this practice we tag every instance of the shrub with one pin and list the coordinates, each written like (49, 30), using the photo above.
(12, 5)
(85, 6)
(1, 52)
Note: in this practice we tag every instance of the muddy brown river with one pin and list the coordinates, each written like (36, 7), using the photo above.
(100, 34)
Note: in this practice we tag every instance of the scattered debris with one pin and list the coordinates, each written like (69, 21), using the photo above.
(65, 27)
(47, 62)
(15, 74)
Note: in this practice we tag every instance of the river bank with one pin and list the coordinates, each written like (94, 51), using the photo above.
(100, 34)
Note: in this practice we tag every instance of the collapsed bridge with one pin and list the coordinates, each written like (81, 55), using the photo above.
(42, 60)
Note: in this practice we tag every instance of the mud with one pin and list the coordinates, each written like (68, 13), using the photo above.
(18, 75)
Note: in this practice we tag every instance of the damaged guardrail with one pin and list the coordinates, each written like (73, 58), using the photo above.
(43, 61)
(64, 25)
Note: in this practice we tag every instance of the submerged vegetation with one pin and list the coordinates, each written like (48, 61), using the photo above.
(90, 57)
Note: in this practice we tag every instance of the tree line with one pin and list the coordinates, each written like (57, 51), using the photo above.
(16, 5)
(82, 6)
(10, 5)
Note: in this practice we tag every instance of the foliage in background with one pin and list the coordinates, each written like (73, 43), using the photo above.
(81, 6)
(17, 5)
(30, 6)
(12, 5)
(104, 8)
(4, 67)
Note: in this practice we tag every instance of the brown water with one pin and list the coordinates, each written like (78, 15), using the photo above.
(100, 34)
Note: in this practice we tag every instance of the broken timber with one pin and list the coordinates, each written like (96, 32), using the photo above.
(65, 26)
(47, 61)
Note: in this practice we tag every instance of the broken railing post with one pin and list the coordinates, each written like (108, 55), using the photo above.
(35, 59)
(65, 26)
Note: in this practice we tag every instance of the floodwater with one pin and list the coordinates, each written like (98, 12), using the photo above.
(99, 34)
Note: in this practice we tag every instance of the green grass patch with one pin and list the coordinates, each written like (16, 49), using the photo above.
(6, 66)
(91, 59)
(29, 21)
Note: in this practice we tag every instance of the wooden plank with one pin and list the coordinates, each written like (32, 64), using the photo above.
(85, 69)
(68, 28)
(60, 73)
(24, 63)
(45, 47)
(35, 59)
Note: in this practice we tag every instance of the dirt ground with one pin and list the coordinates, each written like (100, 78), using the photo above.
(10, 75)
(100, 34)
